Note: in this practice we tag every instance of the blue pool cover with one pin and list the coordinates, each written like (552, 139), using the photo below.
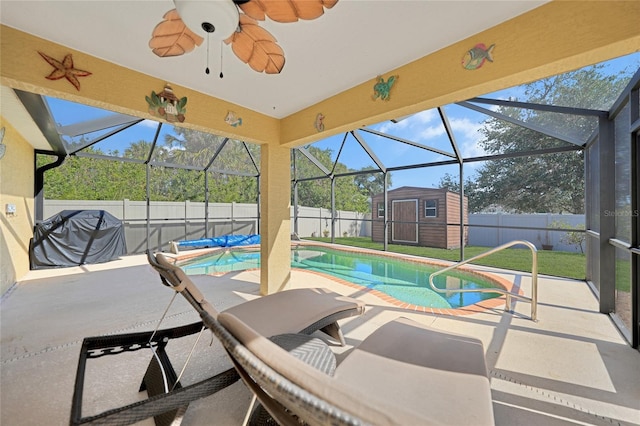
(223, 241)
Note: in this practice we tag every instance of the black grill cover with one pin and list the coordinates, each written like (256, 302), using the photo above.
(77, 237)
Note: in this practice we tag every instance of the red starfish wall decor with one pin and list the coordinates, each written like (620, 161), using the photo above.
(64, 69)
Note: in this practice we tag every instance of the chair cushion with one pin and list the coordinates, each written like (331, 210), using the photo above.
(392, 377)
(291, 311)
(288, 311)
(440, 376)
(310, 350)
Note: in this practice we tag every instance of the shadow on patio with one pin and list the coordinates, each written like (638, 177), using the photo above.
(570, 367)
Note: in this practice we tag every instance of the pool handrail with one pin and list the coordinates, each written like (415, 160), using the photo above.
(534, 278)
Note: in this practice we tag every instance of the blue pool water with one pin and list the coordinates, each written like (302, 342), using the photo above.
(403, 280)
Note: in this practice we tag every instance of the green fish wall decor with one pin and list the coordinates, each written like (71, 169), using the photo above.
(477, 56)
(382, 89)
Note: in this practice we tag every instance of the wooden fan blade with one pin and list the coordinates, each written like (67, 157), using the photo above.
(256, 47)
(308, 10)
(253, 9)
(286, 10)
(171, 37)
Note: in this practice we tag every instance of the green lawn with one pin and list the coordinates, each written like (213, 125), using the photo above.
(558, 263)
(623, 275)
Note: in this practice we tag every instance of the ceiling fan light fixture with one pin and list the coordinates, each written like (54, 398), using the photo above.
(214, 19)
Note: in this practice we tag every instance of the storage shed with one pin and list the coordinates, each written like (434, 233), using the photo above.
(428, 217)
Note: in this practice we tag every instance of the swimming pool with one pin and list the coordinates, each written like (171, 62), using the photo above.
(404, 280)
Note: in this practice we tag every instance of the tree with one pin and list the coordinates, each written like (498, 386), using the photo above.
(317, 192)
(371, 183)
(194, 148)
(574, 238)
(84, 178)
(474, 197)
(551, 182)
(348, 195)
(532, 184)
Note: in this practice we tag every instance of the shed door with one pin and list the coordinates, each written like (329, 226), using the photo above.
(404, 211)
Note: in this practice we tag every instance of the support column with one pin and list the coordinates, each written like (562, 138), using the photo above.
(385, 241)
(461, 212)
(258, 205)
(333, 209)
(206, 204)
(295, 208)
(148, 204)
(275, 226)
(607, 220)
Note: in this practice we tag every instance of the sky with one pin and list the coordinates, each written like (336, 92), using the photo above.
(424, 128)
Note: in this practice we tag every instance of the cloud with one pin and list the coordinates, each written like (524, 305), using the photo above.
(149, 123)
(419, 127)
(467, 136)
(424, 117)
(411, 124)
(430, 132)
(426, 128)
(465, 127)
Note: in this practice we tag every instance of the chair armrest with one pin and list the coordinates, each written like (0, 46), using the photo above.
(95, 347)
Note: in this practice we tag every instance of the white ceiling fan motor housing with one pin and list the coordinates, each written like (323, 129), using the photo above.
(213, 19)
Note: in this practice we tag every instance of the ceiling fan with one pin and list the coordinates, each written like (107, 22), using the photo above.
(235, 22)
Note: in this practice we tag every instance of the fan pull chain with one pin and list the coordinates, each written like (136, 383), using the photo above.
(206, 71)
(221, 47)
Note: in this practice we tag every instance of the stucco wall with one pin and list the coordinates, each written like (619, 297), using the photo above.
(16, 189)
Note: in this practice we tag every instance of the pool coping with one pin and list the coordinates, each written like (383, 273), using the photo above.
(481, 306)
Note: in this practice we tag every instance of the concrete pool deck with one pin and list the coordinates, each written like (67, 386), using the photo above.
(570, 367)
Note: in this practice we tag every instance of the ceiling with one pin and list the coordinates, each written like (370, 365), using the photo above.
(350, 44)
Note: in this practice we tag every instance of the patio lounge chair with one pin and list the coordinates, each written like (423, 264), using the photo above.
(301, 311)
(402, 374)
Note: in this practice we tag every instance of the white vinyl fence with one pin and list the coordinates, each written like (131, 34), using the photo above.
(316, 222)
(174, 221)
(499, 229)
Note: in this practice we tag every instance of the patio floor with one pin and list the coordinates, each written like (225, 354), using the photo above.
(569, 367)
